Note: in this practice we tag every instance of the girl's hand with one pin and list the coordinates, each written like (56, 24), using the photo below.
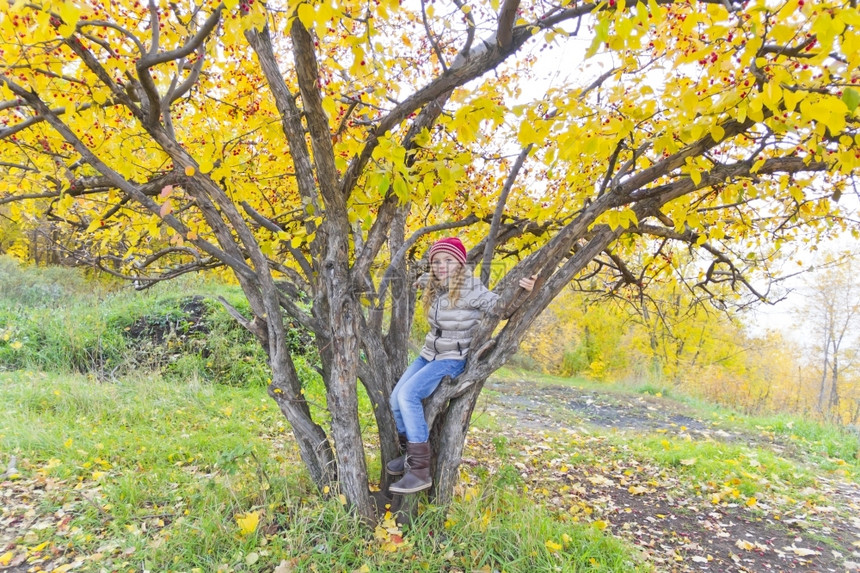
(528, 283)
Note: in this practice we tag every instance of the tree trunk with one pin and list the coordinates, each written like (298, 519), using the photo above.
(833, 398)
(341, 313)
(449, 441)
(314, 446)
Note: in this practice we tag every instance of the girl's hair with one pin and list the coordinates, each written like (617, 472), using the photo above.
(435, 288)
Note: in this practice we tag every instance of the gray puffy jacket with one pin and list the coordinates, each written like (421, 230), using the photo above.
(451, 328)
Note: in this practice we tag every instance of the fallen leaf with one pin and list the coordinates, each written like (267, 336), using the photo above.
(248, 522)
(802, 552)
(745, 545)
(285, 566)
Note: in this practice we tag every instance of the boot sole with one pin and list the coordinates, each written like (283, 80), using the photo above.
(412, 489)
(391, 473)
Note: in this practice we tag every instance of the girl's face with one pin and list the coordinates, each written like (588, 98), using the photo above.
(443, 266)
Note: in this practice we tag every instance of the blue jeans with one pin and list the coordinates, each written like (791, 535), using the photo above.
(418, 382)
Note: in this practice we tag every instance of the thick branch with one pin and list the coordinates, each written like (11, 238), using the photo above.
(291, 117)
(507, 18)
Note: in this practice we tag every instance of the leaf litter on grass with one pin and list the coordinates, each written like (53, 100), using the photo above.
(560, 447)
(561, 442)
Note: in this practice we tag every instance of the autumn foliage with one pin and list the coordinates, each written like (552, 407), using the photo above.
(314, 149)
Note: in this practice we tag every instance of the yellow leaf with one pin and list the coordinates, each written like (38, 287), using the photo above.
(803, 552)
(745, 545)
(717, 133)
(695, 175)
(306, 14)
(552, 546)
(189, 171)
(342, 499)
(792, 98)
(6, 558)
(751, 502)
(637, 489)
(248, 522)
(601, 525)
(528, 134)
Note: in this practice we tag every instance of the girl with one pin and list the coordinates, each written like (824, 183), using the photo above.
(454, 303)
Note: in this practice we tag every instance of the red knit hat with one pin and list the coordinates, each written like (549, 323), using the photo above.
(450, 245)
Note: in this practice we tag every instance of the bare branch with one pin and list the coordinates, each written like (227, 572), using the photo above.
(432, 39)
(275, 228)
(490, 246)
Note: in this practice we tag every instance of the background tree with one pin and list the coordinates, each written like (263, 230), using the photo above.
(831, 315)
(316, 149)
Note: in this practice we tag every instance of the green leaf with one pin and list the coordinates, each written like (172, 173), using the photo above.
(851, 98)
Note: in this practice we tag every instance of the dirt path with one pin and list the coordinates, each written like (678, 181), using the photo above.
(679, 526)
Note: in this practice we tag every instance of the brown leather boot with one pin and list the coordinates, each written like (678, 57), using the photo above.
(418, 464)
(397, 466)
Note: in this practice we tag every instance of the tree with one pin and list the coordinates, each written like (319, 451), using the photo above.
(314, 149)
(831, 313)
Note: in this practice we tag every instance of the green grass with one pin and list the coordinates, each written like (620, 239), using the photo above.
(157, 475)
(60, 320)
